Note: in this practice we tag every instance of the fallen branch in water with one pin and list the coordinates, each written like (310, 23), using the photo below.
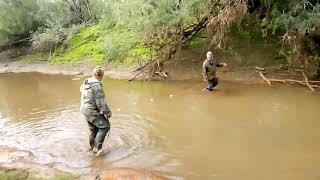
(143, 69)
(162, 74)
(260, 68)
(264, 78)
(140, 72)
(291, 81)
(314, 81)
(307, 81)
(286, 81)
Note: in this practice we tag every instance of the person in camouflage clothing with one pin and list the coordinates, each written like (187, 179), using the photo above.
(95, 110)
(209, 71)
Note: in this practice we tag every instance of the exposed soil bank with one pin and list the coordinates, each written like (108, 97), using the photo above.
(64, 69)
(175, 73)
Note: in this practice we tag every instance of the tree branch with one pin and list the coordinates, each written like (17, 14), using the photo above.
(264, 78)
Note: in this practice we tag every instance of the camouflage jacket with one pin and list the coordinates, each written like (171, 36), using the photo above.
(209, 69)
(93, 98)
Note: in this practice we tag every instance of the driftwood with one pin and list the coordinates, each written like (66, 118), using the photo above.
(140, 72)
(264, 78)
(162, 74)
(306, 82)
(260, 68)
(291, 81)
(287, 81)
(314, 81)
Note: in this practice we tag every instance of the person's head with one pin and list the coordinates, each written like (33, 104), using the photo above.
(98, 73)
(209, 55)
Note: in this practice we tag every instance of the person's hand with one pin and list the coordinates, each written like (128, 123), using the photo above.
(204, 79)
(108, 114)
(224, 64)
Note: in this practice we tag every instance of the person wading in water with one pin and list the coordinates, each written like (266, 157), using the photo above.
(209, 71)
(95, 110)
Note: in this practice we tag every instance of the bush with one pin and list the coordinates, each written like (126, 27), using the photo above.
(71, 31)
(16, 19)
(117, 45)
(49, 38)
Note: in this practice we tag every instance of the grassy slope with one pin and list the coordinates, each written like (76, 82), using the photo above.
(101, 45)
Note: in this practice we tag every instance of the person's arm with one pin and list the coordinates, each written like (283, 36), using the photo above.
(221, 64)
(99, 97)
(204, 71)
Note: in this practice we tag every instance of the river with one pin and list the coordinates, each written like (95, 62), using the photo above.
(171, 127)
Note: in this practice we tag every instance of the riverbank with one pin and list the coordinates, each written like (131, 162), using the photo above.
(20, 165)
(243, 54)
(247, 77)
(63, 69)
(175, 70)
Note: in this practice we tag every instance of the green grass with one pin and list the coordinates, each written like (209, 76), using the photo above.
(83, 47)
(100, 45)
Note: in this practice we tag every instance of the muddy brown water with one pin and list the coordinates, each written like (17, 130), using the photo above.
(235, 132)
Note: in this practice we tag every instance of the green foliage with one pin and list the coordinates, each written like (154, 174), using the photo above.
(297, 22)
(117, 36)
(128, 31)
(47, 40)
(85, 45)
(21, 17)
(297, 18)
(50, 38)
(98, 44)
(17, 18)
(117, 44)
(289, 15)
(156, 16)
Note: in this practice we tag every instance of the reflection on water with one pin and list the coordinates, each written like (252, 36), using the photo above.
(235, 132)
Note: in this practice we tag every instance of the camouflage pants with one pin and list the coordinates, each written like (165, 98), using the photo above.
(212, 83)
(99, 127)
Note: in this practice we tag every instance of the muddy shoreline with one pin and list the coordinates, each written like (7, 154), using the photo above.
(15, 163)
(247, 77)
(63, 69)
